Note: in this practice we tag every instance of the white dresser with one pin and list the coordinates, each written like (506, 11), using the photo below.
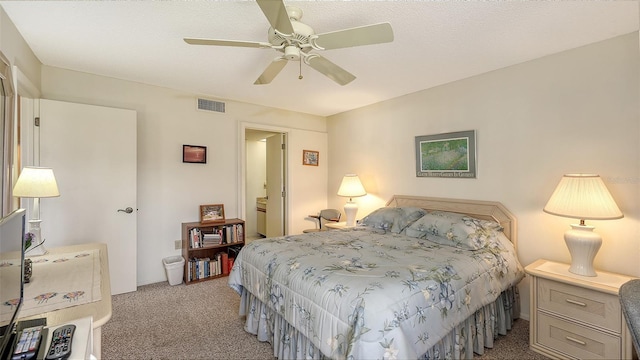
(576, 317)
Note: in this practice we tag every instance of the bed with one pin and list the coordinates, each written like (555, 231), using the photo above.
(420, 278)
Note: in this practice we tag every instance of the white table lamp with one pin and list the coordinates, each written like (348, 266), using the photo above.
(582, 196)
(36, 183)
(351, 187)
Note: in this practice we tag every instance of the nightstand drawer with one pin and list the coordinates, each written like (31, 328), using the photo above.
(576, 340)
(581, 304)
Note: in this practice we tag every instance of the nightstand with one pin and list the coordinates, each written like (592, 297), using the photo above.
(573, 316)
(337, 225)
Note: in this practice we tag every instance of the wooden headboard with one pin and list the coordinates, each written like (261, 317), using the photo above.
(486, 210)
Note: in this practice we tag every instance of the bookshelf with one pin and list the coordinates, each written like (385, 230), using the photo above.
(210, 248)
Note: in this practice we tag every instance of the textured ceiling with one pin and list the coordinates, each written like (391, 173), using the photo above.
(436, 42)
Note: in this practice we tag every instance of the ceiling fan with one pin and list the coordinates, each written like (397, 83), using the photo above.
(295, 40)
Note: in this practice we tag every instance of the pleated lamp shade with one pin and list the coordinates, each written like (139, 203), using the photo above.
(583, 196)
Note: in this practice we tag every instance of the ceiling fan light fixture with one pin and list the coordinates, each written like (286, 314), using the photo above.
(292, 52)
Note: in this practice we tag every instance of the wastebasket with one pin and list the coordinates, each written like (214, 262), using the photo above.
(174, 266)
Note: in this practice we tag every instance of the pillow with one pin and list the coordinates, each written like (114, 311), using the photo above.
(394, 219)
(453, 229)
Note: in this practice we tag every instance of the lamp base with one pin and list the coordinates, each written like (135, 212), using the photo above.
(583, 246)
(37, 244)
(350, 210)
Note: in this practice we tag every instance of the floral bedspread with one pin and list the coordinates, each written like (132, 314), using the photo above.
(363, 293)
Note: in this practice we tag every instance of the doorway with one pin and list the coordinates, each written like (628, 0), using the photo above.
(265, 183)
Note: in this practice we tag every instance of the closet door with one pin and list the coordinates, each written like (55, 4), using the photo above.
(92, 151)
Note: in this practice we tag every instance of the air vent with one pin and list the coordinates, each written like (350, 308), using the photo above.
(210, 105)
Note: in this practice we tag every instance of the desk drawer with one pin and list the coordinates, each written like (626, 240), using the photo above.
(576, 340)
(586, 305)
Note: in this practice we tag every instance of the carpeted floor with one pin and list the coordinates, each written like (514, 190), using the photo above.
(201, 321)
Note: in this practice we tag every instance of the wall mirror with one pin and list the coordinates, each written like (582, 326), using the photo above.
(6, 133)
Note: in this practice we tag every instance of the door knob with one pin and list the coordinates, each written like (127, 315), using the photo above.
(128, 210)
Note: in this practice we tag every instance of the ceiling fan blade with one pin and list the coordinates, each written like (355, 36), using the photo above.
(251, 44)
(271, 71)
(276, 13)
(358, 36)
(329, 69)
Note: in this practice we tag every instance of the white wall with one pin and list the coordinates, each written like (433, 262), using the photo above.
(169, 191)
(577, 111)
(306, 181)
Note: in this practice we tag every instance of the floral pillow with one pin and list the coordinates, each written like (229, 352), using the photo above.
(394, 219)
(453, 229)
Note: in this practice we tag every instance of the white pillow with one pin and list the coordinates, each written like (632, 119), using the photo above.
(394, 219)
(453, 229)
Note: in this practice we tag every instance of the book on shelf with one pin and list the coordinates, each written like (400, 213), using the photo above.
(199, 239)
(231, 260)
(195, 236)
(240, 233)
(233, 234)
(210, 239)
(202, 268)
(224, 259)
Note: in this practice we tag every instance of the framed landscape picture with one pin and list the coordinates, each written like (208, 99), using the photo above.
(212, 213)
(450, 155)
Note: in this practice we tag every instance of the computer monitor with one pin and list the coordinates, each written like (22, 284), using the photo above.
(12, 231)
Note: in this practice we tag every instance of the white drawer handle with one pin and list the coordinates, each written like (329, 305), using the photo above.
(575, 302)
(575, 340)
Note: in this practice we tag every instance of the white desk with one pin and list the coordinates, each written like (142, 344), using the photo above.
(98, 311)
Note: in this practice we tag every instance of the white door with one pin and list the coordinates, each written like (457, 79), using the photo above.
(92, 151)
(275, 185)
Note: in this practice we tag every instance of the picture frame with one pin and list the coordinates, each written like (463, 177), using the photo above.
(310, 157)
(194, 154)
(447, 155)
(213, 213)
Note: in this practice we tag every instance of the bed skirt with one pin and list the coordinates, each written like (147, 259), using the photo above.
(473, 335)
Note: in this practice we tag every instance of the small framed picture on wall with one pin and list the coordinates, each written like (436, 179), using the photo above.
(194, 154)
(310, 157)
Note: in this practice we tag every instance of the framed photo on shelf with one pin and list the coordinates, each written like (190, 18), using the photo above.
(447, 155)
(212, 213)
(194, 154)
(310, 157)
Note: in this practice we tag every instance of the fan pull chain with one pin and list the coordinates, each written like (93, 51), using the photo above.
(300, 76)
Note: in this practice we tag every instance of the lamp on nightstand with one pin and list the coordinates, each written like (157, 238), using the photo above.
(351, 187)
(36, 183)
(584, 197)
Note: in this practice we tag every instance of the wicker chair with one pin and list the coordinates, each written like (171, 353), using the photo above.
(326, 215)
